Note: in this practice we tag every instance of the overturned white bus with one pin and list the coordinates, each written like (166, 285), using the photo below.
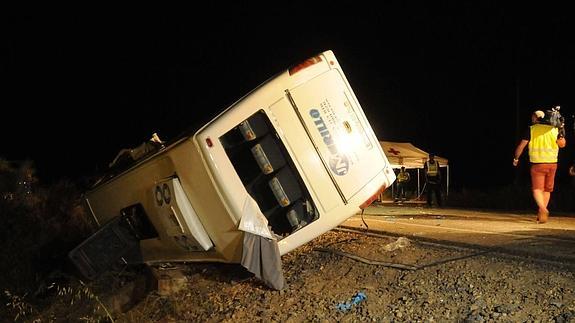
(289, 161)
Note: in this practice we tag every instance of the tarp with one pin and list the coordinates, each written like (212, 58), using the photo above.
(405, 154)
(260, 255)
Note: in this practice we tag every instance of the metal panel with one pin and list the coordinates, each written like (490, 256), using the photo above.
(179, 219)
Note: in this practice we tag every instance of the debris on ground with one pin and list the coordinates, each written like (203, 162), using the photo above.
(356, 299)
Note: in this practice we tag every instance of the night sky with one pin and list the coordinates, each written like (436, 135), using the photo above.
(459, 80)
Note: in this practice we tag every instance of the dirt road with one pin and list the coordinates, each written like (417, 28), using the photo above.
(508, 232)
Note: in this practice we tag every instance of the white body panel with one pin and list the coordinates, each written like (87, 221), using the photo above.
(179, 217)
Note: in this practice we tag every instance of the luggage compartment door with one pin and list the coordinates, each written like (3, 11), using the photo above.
(178, 217)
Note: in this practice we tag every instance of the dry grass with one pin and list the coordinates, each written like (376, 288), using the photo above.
(39, 225)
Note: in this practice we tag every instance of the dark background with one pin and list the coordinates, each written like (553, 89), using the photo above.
(460, 80)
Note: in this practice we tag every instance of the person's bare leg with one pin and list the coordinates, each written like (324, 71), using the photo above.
(542, 199)
(546, 198)
(539, 198)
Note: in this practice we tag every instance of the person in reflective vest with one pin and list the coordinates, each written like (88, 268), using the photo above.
(402, 180)
(543, 141)
(433, 180)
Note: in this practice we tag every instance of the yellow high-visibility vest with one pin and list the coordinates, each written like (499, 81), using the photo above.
(543, 146)
(403, 177)
(432, 169)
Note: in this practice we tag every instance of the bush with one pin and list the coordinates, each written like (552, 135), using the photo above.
(39, 226)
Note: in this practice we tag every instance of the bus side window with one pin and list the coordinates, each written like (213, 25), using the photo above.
(268, 155)
(254, 127)
(268, 174)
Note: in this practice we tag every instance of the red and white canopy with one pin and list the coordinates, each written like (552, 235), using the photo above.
(405, 154)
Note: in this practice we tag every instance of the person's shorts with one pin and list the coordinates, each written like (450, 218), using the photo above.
(543, 177)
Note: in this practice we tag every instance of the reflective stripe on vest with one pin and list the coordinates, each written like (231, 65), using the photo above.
(402, 176)
(432, 169)
(543, 144)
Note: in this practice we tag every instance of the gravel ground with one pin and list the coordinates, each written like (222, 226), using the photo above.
(338, 277)
(451, 285)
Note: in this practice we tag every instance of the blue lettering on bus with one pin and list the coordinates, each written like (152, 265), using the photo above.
(338, 163)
